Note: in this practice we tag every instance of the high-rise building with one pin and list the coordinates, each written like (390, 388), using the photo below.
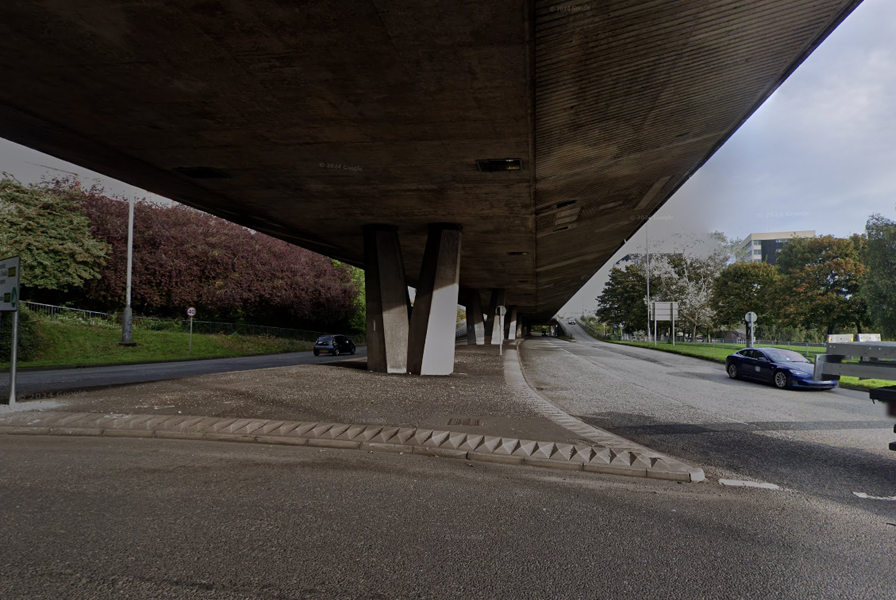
(764, 247)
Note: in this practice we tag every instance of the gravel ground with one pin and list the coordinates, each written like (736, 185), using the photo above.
(345, 392)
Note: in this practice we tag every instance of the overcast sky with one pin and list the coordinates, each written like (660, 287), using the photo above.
(819, 154)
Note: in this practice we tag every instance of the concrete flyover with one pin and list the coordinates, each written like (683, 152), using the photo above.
(315, 123)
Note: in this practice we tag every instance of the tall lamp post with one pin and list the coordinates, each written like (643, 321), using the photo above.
(127, 322)
(647, 251)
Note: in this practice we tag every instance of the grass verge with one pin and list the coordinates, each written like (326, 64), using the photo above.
(719, 354)
(67, 344)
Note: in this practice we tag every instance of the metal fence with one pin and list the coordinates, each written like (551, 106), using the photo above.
(808, 349)
(201, 327)
(49, 310)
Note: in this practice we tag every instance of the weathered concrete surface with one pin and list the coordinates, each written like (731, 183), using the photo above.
(319, 120)
(434, 319)
(387, 304)
(351, 436)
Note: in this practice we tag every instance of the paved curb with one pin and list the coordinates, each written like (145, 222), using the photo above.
(372, 438)
(516, 379)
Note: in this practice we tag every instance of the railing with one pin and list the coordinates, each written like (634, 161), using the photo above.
(206, 327)
(49, 310)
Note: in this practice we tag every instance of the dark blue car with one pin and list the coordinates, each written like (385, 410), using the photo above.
(783, 368)
(333, 344)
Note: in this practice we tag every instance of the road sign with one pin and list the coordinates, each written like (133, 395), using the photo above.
(750, 317)
(665, 311)
(191, 312)
(501, 311)
(9, 284)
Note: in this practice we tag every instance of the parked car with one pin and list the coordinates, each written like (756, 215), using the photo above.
(571, 322)
(333, 344)
(783, 368)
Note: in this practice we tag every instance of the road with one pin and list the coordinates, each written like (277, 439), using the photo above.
(829, 445)
(129, 518)
(31, 384)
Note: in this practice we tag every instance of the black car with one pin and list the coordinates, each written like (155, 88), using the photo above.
(783, 368)
(333, 344)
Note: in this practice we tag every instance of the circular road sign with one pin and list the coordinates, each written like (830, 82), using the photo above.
(750, 317)
(501, 311)
(191, 312)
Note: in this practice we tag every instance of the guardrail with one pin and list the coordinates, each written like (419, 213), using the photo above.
(876, 360)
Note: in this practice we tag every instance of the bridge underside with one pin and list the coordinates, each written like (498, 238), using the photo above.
(309, 121)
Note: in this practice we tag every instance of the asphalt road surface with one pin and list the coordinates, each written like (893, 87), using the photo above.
(831, 445)
(146, 518)
(31, 384)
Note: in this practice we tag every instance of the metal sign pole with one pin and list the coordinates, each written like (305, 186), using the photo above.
(654, 324)
(13, 357)
(673, 326)
(191, 335)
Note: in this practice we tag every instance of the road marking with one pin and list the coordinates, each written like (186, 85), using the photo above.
(753, 484)
(867, 497)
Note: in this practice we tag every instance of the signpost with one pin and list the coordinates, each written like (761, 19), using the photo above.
(664, 311)
(191, 312)
(10, 272)
(750, 318)
(499, 322)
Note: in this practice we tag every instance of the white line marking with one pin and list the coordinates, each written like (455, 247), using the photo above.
(867, 497)
(753, 484)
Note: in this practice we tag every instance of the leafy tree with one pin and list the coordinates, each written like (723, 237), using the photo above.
(623, 300)
(50, 233)
(744, 287)
(820, 281)
(688, 280)
(185, 257)
(879, 284)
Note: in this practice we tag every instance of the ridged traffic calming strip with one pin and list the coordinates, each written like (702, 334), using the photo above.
(610, 453)
(352, 436)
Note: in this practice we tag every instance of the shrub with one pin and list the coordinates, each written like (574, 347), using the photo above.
(29, 335)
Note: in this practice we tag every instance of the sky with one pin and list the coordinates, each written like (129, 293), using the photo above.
(820, 154)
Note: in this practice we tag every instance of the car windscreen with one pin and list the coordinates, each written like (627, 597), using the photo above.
(326, 339)
(786, 356)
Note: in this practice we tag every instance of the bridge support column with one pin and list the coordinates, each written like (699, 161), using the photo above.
(386, 296)
(512, 328)
(433, 322)
(498, 299)
(475, 324)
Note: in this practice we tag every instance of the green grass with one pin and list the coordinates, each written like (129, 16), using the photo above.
(718, 355)
(67, 344)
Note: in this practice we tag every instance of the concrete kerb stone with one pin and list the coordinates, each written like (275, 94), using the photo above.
(612, 453)
(609, 454)
(371, 438)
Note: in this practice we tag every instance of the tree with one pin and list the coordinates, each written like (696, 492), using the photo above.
(819, 283)
(744, 287)
(623, 299)
(51, 235)
(879, 283)
(688, 280)
(184, 257)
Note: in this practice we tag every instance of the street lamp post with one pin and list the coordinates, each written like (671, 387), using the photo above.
(647, 251)
(127, 322)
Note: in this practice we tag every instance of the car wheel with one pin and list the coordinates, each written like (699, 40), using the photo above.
(316, 353)
(732, 370)
(782, 381)
(336, 351)
(352, 351)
